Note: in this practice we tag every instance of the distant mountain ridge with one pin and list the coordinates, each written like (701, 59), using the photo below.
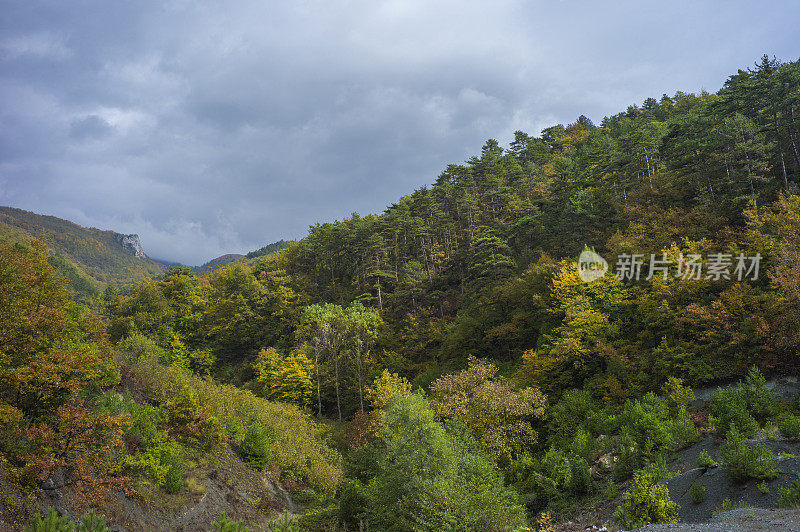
(92, 259)
(250, 258)
(218, 262)
(89, 258)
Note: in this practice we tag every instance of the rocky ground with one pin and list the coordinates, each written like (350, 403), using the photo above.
(222, 484)
(739, 519)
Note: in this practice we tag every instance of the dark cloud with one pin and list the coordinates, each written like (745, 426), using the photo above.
(211, 127)
(90, 127)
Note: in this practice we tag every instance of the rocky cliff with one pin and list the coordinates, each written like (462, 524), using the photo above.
(131, 244)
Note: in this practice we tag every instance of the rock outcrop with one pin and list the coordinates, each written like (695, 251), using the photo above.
(131, 244)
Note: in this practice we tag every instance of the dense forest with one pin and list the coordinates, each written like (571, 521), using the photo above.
(442, 366)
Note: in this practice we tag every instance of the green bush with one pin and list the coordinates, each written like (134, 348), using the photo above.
(255, 448)
(790, 497)
(173, 479)
(763, 487)
(147, 421)
(138, 347)
(353, 503)
(704, 460)
(90, 522)
(646, 502)
(744, 462)
(52, 522)
(158, 461)
(223, 524)
(649, 419)
(759, 399)
(428, 479)
(568, 472)
(576, 411)
(790, 427)
(284, 523)
(728, 408)
(698, 493)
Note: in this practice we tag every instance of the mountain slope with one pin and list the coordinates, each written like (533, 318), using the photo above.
(89, 258)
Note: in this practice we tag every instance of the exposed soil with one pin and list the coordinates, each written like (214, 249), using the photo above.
(222, 484)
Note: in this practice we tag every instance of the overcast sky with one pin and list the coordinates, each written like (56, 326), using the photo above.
(218, 127)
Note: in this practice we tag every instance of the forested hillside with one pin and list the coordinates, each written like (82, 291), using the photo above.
(461, 374)
(90, 258)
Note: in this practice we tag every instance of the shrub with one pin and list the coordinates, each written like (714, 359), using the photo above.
(577, 409)
(790, 497)
(568, 472)
(90, 522)
(173, 479)
(158, 461)
(759, 399)
(646, 502)
(744, 462)
(698, 493)
(223, 524)
(284, 523)
(677, 395)
(729, 410)
(255, 448)
(704, 460)
(790, 427)
(583, 444)
(147, 421)
(51, 523)
(763, 487)
(139, 347)
(192, 421)
(650, 419)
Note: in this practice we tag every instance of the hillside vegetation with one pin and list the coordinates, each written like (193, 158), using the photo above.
(443, 366)
(91, 259)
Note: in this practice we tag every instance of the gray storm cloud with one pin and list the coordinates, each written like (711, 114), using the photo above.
(211, 127)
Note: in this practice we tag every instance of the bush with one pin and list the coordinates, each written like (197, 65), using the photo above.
(139, 347)
(173, 479)
(704, 460)
(577, 410)
(650, 419)
(790, 497)
(677, 395)
(146, 421)
(428, 479)
(192, 421)
(255, 448)
(157, 461)
(646, 502)
(51, 523)
(763, 487)
(568, 472)
(744, 462)
(790, 427)
(90, 522)
(759, 399)
(698, 493)
(728, 409)
(223, 524)
(284, 523)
